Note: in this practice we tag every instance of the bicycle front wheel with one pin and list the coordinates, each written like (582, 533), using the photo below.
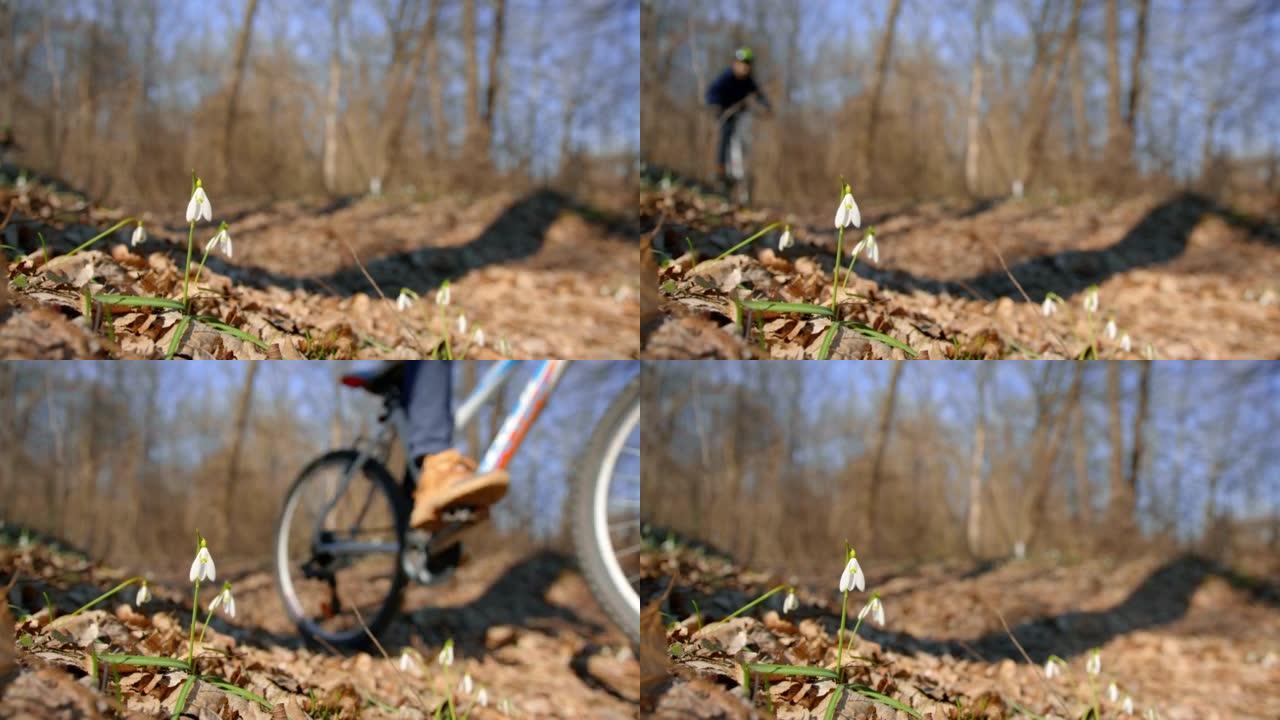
(338, 551)
(605, 503)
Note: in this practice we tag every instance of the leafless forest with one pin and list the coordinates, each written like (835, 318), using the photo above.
(778, 464)
(964, 97)
(1004, 153)
(124, 462)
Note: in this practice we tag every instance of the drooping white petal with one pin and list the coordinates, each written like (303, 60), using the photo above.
(1113, 692)
(445, 657)
(1125, 343)
(1049, 307)
(847, 214)
(1094, 665)
(404, 302)
(1111, 329)
(878, 613)
(482, 698)
(1128, 705)
(466, 685)
(852, 577)
(442, 294)
(1051, 669)
(790, 603)
(138, 237)
(215, 602)
(144, 594)
(478, 338)
(202, 568)
(462, 324)
(786, 240)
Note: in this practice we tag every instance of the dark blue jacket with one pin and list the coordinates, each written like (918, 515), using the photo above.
(729, 89)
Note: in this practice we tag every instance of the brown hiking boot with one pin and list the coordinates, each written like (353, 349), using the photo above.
(449, 480)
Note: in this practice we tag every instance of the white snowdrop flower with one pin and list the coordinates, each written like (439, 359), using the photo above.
(847, 214)
(462, 324)
(1149, 352)
(442, 294)
(198, 207)
(868, 243)
(1125, 343)
(875, 609)
(224, 600)
(404, 301)
(202, 568)
(222, 238)
(1052, 668)
(1091, 300)
(1128, 705)
(1113, 692)
(790, 603)
(409, 664)
(1049, 307)
(478, 337)
(852, 576)
(138, 237)
(482, 698)
(786, 240)
(445, 658)
(144, 594)
(1111, 328)
(1094, 665)
(466, 686)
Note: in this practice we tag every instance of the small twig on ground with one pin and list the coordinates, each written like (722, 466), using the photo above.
(394, 665)
(412, 336)
(1026, 297)
(1052, 694)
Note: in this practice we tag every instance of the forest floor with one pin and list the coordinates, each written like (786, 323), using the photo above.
(1183, 276)
(524, 625)
(539, 274)
(1180, 635)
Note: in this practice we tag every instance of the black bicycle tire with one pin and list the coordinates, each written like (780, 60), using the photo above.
(391, 606)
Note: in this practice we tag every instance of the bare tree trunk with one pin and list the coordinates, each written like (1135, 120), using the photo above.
(1114, 121)
(235, 80)
(243, 405)
(877, 467)
(1117, 496)
(1083, 487)
(972, 145)
(1082, 149)
(1139, 446)
(1045, 95)
(473, 78)
(495, 76)
(877, 89)
(401, 93)
(1135, 83)
(334, 99)
(974, 521)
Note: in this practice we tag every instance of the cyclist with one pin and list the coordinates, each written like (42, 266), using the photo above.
(728, 95)
(447, 478)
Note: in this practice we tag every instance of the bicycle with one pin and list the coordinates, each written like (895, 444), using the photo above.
(344, 550)
(736, 169)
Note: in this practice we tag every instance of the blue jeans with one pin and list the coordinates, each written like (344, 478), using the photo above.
(427, 392)
(727, 126)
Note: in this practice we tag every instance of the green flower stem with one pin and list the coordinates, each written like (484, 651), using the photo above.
(748, 241)
(195, 604)
(203, 256)
(753, 603)
(186, 279)
(835, 272)
(207, 618)
(99, 236)
(444, 333)
(844, 607)
(853, 260)
(106, 595)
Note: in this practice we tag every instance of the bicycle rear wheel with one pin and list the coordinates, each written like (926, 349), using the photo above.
(339, 545)
(605, 503)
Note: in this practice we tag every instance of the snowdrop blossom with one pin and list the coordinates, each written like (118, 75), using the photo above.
(1113, 692)
(1149, 352)
(1053, 667)
(478, 337)
(442, 294)
(790, 603)
(221, 238)
(1150, 714)
(445, 658)
(462, 324)
(138, 237)
(482, 698)
(1128, 705)
(202, 568)
(875, 609)
(1125, 343)
(786, 240)
(1111, 328)
(1094, 665)
(1091, 300)
(868, 243)
(404, 301)
(198, 207)
(1049, 307)
(504, 347)
(466, 686)
(409, 664)
(224, 600)
(847, 214)
(852, 576)
(506, 707)
(144, 594)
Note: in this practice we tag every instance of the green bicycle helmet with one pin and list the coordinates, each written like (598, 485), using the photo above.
(744, 54)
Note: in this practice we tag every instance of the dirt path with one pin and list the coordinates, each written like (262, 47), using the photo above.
(1178, 634)
(1189, 277)
(524, 625)
(538, 274)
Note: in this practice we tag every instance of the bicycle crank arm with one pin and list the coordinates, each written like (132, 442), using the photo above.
(355, 547)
